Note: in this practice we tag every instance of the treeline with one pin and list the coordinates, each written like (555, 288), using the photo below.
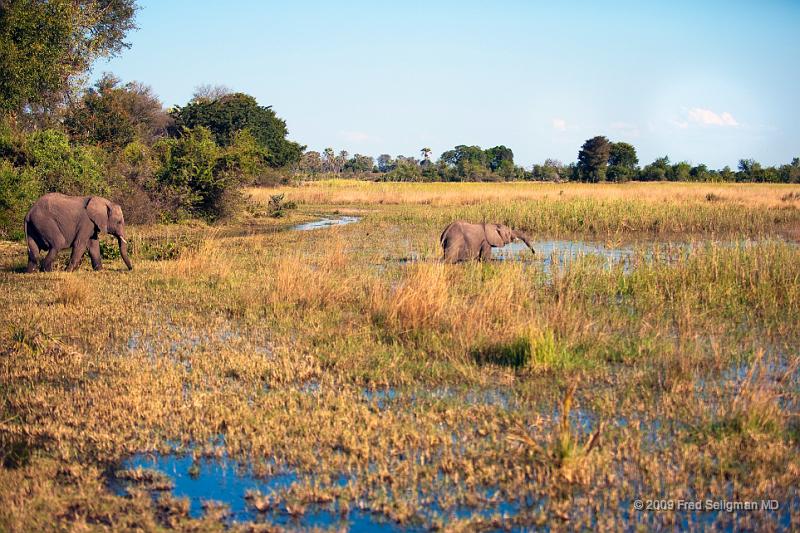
(114, 139)
(599, 160)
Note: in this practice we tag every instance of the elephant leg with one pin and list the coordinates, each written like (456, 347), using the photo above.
(47, 262)
(78, 249)
(94, 254)
(485, 253)
(33, 255)
(450, 254)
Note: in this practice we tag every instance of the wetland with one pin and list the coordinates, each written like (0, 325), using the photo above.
(257, 376)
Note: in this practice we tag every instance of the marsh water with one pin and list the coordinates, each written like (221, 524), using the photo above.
(326, 223)
(226, 481)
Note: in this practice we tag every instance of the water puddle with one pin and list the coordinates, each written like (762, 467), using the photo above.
(222, 480)
(387, 397)
(326, 223)
(562, 249)
(565, 251)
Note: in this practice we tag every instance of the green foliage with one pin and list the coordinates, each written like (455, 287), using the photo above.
(35, 37)
(359, 163)
(244, 156)
(593, 158)
(278, 205)
(498, 156)
(542, 350)
(202, 179)
(622, 161)
(187, 172)
(113, 116)
(514, 354)
(46, 46)
(76, 170)
(19, 188)
(226, 116)
(405, 171)
(658, 170)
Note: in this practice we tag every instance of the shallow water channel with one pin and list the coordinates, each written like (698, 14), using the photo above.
(225, 481)
(326, 223)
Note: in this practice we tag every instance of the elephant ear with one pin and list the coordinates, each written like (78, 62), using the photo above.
(493, 236)
(98, 209)
(505, 233)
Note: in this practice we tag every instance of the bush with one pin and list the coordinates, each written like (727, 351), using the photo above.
(134, 187)
(39, 163)
(19, 188)
(63, 168)
(201, 179)
(277, 205)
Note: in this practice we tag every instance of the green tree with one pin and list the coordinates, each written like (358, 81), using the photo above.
(234, 112)
(726, 174)
(46, 47)
(385, 163)
(497, 156)
(701, 173)
(658, 170)
(329, 160)
(112, 115)
(680, 172)
(360, 163)
(791, 173)
(593, 159)
(405, 170)
(62, 167)
(199, 178)
(750, 170)
(622, 162)
(311, 162)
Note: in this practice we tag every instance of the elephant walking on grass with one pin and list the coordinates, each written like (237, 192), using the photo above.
(57, 221)
(462, 241)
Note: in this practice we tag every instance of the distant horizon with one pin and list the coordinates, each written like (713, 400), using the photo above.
(708, 84)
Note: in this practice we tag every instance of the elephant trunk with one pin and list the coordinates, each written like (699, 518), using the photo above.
(524, 238)
(123, 251)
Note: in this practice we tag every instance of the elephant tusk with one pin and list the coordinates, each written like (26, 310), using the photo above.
(123, 240)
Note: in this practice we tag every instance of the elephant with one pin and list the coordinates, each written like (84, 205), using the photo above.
(463, 241)
(57, 221)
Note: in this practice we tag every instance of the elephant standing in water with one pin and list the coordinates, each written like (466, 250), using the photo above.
(462, 241)
(57, 221)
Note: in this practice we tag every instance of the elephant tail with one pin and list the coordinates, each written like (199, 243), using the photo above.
(25, 223)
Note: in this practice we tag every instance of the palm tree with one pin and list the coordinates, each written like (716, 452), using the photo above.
(426, 153)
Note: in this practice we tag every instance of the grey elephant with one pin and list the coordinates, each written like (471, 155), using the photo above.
(463, 241)
(57, 221)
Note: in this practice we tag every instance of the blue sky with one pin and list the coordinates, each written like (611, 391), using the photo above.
(700, 81)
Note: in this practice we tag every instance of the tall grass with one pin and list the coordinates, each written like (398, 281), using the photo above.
(555, 209)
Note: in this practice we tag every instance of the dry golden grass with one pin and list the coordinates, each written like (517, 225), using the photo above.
(353, 192)
(436, 391)
(210, 258)
(74, 290)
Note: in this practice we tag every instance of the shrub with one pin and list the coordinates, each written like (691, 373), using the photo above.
(63, 168)
(277, 205)
(228, 115)
(19, 188)
(201, 179)
(134, 187)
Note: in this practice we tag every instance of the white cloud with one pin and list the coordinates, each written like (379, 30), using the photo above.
(706, 117)
(559, 124)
